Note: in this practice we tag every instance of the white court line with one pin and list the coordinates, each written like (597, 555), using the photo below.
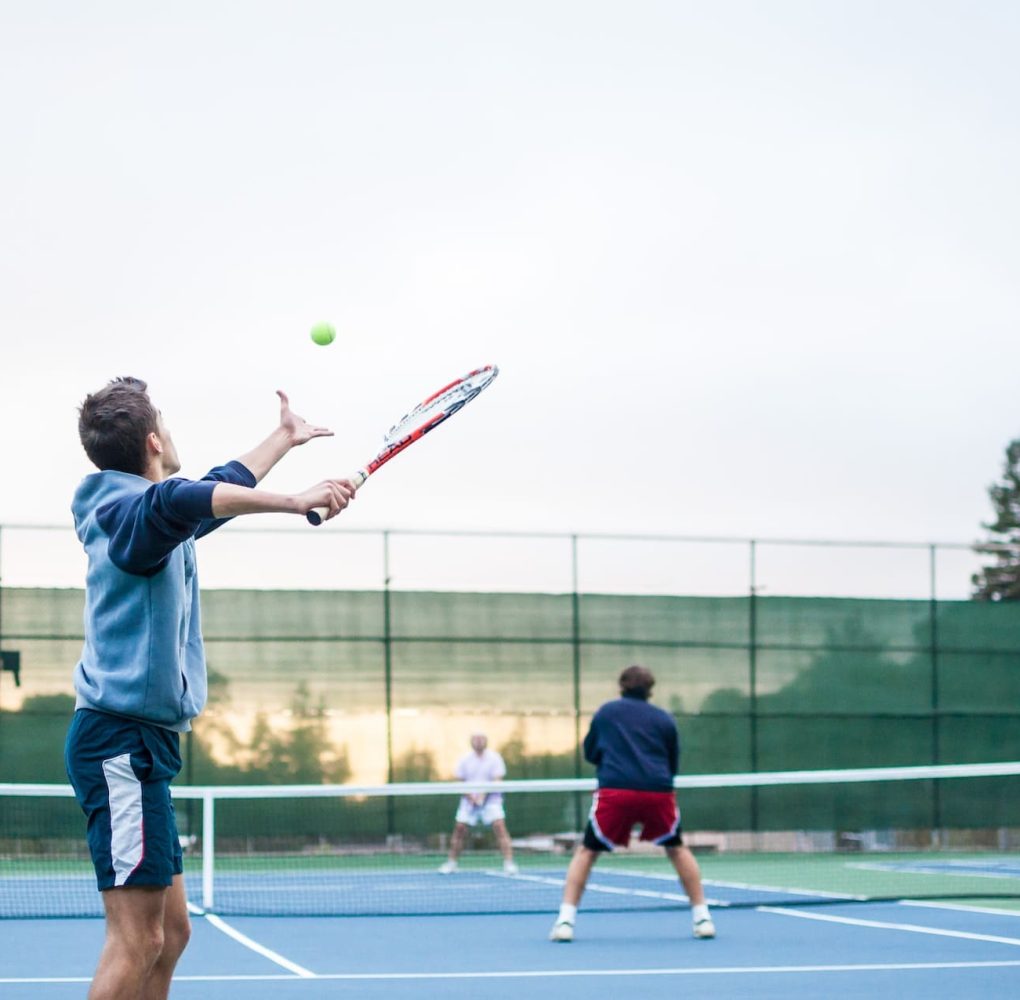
(676, 897)
(750, 886)
(724, 970)
(886, 925)
(826, 895)
(222, 925)
(963, 907)
(919, 868)
(784, 890)
(591, 887)
(595, 886)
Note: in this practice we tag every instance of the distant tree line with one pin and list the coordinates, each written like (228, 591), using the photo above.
(1000, 581)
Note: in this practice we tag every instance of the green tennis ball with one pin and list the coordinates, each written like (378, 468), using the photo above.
(323, 334)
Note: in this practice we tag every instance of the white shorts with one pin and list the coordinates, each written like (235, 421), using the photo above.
(487, 813)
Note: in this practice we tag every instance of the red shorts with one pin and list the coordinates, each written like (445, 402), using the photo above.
(616, 811)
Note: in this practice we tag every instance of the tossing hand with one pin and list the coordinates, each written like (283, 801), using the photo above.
(297, 429)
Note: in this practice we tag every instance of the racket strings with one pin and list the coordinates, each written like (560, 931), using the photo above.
(443, 404)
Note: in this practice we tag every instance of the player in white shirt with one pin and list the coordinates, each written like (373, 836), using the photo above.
(481, 764)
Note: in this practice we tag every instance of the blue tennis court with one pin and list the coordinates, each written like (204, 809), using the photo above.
(849, 950)
(361, 915)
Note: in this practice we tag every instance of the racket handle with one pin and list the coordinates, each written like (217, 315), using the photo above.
(317, 515)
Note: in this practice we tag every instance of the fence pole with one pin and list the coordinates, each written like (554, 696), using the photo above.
(576, 647)
(1, 598)
(936, 735)
(752, 648)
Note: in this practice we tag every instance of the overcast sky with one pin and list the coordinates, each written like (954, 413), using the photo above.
(747, 268)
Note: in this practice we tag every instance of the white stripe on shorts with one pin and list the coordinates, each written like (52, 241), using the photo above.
(603, 839)
(126, 842)
(672, 830)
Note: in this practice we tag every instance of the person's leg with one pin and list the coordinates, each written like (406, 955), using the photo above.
(176, 934)
(573, 889)
(609, 825)
(456, 846)
(580, 868)
(457, 840)
(690, 874)
(690, 877)
(505, 846)
(123, 787)
(134, 941)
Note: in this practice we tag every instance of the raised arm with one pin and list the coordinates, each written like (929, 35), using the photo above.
(291, 432)
(145, 528)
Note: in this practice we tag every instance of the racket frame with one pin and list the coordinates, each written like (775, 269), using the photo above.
(395, 442)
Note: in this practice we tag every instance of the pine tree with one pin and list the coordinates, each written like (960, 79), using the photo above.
(1001, 580)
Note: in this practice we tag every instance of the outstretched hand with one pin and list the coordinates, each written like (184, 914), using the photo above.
(297, 429)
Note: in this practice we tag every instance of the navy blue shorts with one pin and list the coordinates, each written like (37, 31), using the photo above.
(121, 772)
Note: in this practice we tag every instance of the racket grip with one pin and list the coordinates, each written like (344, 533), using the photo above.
(317, 515)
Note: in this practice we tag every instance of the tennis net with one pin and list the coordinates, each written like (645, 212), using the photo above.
(779, 838)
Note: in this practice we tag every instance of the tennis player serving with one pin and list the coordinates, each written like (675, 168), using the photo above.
(635, 748)
(142, 675)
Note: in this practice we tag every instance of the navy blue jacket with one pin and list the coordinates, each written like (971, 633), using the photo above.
(633, 745)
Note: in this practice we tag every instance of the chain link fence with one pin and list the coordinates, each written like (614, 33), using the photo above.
(372, 656)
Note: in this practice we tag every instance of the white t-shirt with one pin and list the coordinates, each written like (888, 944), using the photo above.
(486, 766)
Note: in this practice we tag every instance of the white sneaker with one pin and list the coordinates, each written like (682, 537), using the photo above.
(447, 867)
(704, 928)
(510, 868)
(562, 931)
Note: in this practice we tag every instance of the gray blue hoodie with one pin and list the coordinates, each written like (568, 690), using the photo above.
(143, 655)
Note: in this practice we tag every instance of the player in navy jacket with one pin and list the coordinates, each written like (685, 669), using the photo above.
(636, 752)
(142, 676)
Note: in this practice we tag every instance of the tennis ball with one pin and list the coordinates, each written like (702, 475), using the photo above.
(323, 334)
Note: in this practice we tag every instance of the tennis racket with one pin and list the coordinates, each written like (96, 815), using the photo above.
(426, 416)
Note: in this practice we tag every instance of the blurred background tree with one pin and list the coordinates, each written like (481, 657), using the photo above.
(1000, 581)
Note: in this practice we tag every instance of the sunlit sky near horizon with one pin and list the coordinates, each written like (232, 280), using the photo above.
(746, 268)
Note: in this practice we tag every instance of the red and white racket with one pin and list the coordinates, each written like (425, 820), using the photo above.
(426, 416)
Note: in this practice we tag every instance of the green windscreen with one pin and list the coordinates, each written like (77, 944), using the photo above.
(372, 686)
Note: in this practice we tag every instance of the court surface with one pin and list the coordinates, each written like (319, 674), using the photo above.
(900, 950)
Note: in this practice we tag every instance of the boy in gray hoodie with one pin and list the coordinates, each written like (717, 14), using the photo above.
(142, 676)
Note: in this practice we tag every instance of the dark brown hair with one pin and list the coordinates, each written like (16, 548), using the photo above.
(637, 682)
(114, 423)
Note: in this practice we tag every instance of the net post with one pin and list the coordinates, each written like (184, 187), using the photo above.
(208, 848)
(189, 778)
